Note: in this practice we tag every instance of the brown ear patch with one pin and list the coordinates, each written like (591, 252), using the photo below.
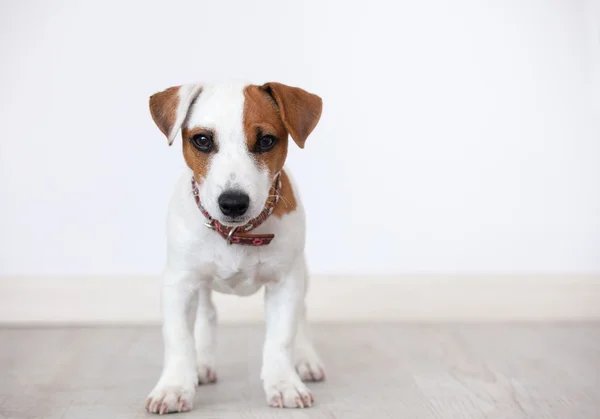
(163, 108)
(195, 159)
(300, 111)
(261, 117)
(287, 200)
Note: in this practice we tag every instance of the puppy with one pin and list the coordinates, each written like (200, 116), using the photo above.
(235, 225)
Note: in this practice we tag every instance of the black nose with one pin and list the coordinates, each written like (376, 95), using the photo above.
(234, 203)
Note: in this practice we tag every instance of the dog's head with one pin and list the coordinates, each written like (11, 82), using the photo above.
(235, 139)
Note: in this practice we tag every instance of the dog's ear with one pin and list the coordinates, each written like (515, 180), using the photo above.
(299, 110)
(169, 108)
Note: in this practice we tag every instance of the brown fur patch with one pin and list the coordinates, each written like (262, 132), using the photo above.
(287, 200)
(196, 159)
(163, 108)
(261, 116)
(300, 111)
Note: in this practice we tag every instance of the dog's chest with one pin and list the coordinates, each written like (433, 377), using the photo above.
(241, 271)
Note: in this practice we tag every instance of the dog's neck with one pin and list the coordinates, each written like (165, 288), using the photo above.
(239, 234)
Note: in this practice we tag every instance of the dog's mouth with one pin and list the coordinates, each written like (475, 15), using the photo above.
(233, 221)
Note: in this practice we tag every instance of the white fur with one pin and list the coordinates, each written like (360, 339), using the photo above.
(199, 260)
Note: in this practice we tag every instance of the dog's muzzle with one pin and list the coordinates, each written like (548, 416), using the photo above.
(239, 201)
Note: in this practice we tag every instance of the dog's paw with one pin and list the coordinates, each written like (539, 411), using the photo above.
(206, 375)
(307, 362)
(310, 369)
(288, 393)
(170, 399)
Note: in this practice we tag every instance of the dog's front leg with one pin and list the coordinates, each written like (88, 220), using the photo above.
(177, 385)
(205, 335)
(283, 303)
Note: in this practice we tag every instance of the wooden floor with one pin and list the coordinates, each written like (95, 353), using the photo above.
(374, 371)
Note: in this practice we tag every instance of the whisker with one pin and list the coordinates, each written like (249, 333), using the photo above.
(283, 198)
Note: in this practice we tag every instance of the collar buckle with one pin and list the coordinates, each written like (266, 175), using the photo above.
(230, 235)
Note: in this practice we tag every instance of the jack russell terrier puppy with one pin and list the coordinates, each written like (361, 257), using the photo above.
(235, 224)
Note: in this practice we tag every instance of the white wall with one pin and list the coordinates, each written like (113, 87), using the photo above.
(456, 136)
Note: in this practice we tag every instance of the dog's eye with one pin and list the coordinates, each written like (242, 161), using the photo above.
(202, 142)
(265, 143)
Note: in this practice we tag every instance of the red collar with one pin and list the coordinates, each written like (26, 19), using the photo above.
(239, 234)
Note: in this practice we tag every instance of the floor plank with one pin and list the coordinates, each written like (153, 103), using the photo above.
(374, 371)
